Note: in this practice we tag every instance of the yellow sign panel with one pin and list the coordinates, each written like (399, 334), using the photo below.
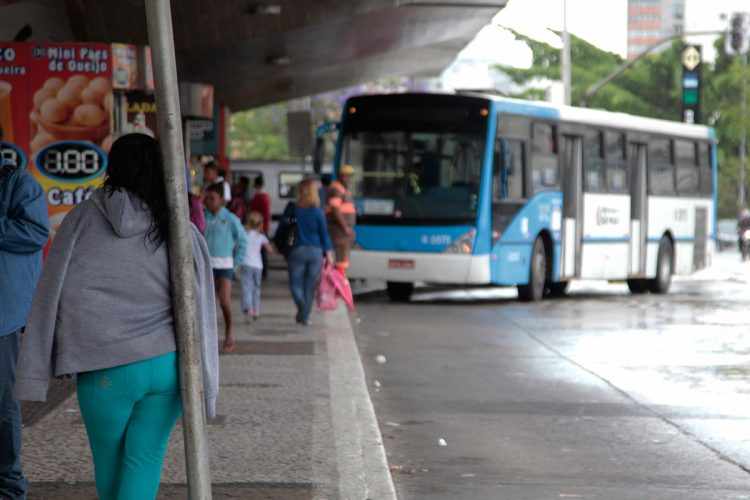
(691, 58)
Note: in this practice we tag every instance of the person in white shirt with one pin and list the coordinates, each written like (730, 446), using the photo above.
(251, 269)
(211, 176)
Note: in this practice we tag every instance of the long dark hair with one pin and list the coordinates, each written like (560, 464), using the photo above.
(135, 165)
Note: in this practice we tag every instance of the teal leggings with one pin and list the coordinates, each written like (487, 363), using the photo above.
(129, 412)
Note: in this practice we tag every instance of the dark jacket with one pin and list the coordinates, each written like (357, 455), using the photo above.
(24, 229)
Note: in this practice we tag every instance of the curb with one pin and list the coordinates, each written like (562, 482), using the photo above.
(360, 454)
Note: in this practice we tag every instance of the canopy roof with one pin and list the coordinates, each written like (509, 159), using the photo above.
(261, 52)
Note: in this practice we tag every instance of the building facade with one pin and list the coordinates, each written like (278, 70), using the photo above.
(652, 20)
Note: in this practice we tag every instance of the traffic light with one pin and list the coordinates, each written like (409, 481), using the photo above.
(691, 84)
(738, 37)
(736, 33)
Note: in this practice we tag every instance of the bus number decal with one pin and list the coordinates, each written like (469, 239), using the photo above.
(436, 239)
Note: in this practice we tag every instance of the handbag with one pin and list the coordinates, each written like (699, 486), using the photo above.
(287, 233)
(333, 286)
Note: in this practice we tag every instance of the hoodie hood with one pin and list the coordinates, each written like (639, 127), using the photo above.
(127, 215)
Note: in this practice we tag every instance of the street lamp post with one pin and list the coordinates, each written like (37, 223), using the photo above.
(741, 195)
(566, 57)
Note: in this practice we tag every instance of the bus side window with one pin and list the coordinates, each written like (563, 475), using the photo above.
(545, 170)
(660, 168)
(617, 166)
(686, 159)
(508, 171)
(704, 166)
(593, 161)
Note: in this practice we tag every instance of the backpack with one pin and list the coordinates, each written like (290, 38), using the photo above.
(286, 234)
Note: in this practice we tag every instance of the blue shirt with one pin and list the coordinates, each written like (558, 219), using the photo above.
(227, 242)
(24, 229)
(311, 228)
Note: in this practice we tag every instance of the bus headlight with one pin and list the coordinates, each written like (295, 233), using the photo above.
(464, 244)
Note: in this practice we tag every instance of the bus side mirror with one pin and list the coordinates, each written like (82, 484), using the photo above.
(318, 154)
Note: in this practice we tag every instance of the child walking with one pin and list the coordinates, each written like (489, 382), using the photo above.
(251, 269)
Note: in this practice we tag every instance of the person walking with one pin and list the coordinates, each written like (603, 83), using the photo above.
(251, 269)
(342, 216)
(195, 206)
(211, 176)
(261, 203)
(306, 256)
(227, 244)
(325, 186)
(238, 205)
(103, 311)
(24, 229)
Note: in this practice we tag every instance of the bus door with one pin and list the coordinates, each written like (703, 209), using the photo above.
(638, 209)
(572, 230)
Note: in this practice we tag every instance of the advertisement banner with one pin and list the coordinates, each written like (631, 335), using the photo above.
(14, 109)
(124, 66)
(140, 113)
(70, 121)
(56, 117)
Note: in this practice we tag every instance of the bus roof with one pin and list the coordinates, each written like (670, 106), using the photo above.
(600, 117)
(549, 111)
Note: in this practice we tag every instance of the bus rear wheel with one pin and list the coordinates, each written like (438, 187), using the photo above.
(664, 270)
(558, 289)
(637, 286)
(534, 290)
(400, 292)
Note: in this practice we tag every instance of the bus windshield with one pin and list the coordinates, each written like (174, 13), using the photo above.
(415, 177)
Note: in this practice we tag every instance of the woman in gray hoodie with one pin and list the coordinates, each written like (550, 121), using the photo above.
(103, 311)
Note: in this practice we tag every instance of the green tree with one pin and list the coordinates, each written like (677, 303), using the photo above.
(260, 134)
(651, 87)
(722, 96)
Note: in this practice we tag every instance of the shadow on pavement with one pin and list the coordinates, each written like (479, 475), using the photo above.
(86, 491)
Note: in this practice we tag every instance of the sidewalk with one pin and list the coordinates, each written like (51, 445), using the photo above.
(294, 421)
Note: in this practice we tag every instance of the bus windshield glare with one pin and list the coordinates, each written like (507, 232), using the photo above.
(417, 177)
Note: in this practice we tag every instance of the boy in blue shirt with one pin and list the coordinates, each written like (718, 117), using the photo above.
(227, 244)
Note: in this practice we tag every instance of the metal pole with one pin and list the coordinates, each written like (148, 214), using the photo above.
(743, 139)
(160, 35)
(566, 59)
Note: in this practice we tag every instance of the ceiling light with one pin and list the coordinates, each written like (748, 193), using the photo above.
(279, 60)
(264, 9)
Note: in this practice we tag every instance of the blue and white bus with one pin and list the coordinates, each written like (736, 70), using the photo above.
(482, 190)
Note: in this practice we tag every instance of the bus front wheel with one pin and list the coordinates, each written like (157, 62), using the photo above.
(534, 290)
(400, 292)
(664, 270)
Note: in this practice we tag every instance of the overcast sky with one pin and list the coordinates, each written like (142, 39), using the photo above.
(601, 22)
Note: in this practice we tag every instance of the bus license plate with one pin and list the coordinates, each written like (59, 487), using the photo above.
(401, 264)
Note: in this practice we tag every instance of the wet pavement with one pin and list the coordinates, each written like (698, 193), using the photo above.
(600, 395)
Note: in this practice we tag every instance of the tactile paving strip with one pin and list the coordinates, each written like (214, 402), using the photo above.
(288, 348)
